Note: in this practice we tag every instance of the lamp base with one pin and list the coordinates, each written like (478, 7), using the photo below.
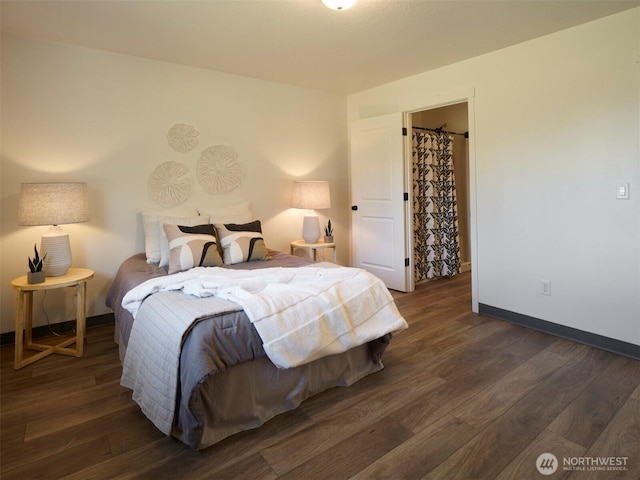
(311, 229)
(55, 244)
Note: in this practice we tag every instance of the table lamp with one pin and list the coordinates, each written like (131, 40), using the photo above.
(54, 204)
(311, 196)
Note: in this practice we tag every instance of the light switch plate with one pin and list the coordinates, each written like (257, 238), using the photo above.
(622, 191)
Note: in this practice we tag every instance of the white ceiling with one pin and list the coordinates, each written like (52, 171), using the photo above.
(301, 42)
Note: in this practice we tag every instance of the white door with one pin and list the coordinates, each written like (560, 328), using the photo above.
(378, 205)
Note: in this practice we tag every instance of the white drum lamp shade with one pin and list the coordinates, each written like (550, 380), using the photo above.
(311, 196)
(54, 204)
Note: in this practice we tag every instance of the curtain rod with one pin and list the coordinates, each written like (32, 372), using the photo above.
(440, 130)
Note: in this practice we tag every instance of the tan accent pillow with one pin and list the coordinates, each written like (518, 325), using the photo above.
(192, 247)
(241, 242)
(164, 243)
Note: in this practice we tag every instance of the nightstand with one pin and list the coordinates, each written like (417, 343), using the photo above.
(313, 248)
(75, 277)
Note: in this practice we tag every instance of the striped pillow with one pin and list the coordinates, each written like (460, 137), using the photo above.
(192, 247)
(241, 242)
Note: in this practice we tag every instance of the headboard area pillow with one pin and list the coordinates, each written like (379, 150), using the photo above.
(152, 229)
(240, 213)
(192, 247)
(241, 242)
(164, 243)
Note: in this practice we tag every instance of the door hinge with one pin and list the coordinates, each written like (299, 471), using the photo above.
(406, 197)
(406, 262)
(404, 131)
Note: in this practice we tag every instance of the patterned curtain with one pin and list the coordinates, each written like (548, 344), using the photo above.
(435, 211)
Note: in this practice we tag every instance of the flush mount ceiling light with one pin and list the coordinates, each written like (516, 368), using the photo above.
(339, 4)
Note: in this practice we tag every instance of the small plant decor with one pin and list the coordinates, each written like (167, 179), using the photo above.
(35, 264)
(328, 232)
(36, 274)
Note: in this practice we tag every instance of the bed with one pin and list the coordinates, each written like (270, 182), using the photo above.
(224, 378)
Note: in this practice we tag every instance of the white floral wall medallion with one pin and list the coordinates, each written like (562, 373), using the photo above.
(219, 170)
(167, 185)
(182, 137)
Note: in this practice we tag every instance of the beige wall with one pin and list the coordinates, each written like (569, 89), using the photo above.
(77, 114)
(555, 126)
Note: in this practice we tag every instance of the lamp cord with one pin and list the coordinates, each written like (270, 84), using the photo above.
(46, 316)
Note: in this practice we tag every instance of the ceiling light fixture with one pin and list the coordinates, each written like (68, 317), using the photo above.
(339, 4)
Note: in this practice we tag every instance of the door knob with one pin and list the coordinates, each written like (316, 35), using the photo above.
(354, 207)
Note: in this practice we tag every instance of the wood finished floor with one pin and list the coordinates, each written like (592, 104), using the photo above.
(461, 396)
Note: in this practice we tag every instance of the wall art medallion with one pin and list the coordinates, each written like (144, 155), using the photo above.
(182, 137)
(219, 170)
(167, 185)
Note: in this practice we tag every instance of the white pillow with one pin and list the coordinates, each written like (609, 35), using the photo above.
(240, 213)
(152, 232)
(164, 243)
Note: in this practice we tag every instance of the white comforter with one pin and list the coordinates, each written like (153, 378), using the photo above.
(301, 314)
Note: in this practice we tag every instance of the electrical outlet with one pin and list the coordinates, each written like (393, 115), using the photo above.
(545, 287)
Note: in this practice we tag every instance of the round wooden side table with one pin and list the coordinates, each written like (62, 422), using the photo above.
(75, 277)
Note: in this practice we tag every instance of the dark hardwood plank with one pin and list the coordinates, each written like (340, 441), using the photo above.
(419, 413)
(584, 419)
(62, 463)
(422, 452)
(97, 408)
(353, 454)
(488, 453)
(462, 395)
(133, 463)
(530, 344)
(230, 455)
(524, 465)
(15, 448)
(621, 438)
(305, 445)
(501, 395)
(252, 467)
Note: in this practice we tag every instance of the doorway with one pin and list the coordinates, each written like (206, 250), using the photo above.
(453, 120)
(382, 238)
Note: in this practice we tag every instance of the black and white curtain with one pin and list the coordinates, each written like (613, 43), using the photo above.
(435, 211)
